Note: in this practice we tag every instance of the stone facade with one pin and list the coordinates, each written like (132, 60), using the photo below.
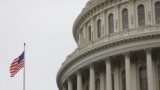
(118, 47)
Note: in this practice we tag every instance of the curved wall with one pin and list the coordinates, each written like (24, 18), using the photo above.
(117, 40)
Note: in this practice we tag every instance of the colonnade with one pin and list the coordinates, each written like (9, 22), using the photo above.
(106, 84)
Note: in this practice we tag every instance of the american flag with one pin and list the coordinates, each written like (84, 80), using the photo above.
(17, 64)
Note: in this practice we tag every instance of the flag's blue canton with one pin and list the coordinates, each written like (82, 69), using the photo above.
(21, 57)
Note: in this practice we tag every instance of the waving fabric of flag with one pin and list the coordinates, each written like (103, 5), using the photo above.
(17, 64)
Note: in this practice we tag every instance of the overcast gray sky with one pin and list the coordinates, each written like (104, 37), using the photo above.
(46, 28)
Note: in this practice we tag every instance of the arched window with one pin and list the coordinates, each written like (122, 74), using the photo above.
(89, 33)
(141, 15)
(157, 12)
(125, 18)
(143, 78)
(111, 23)
(158, 75)
(97, 84)
(123, 76)
(99, 28)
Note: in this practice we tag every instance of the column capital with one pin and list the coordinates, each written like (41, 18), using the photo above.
(78, 71)
(148, 50)
(107, 59)
(91, 65)
(69, 78)
(127, 53)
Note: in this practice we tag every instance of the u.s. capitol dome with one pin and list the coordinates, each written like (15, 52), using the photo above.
(118, 47)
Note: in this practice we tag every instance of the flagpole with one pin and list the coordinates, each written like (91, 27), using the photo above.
(24, 69)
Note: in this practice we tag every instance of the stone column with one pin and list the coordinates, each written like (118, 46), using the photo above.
(133, 75)
(92, 78)
(108, 74)
(70, 87)
(79, 81)
(116, 78)
(102, 80)
(149, 69)
(127, 71)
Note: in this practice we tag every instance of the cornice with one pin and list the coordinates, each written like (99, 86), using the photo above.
(106, 45)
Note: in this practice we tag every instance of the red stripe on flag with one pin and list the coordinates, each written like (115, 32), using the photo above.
(15, 66)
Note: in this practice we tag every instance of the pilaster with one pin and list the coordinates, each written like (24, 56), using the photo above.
(149, 12)
(93, 29)
(131, 15)
(116, 19)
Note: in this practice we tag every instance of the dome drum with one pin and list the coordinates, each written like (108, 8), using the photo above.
(80, 31)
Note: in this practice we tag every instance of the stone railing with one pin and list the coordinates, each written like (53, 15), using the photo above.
(111, 38)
